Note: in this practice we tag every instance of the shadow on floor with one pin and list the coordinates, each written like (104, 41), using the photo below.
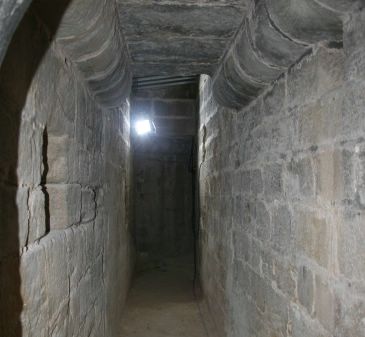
(161, 302)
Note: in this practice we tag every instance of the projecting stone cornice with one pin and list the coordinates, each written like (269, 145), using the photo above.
(88, 33)
(90, 36)
(273, 37)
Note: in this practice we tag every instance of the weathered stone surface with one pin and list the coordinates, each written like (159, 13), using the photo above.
(89, 35)
(306, 288)
(305, 21)
(173, 111)
(303, 273)
(327, 306)
(60, 149)
(64, 201)
(88, 205)
(183, 38)
(37, 213)
(275, 35)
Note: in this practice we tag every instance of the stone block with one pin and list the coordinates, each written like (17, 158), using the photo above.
(321, 121)
(299, 179)
(64, 205)
(59, 149)
(353, 110)
(241, 277)
(354, 30)
(62, 119)
(57, 287)
(276, 314)
(282, 229)
(355, 65)
(34, 291)
(350, 239)
(241, 246)
(316, 75)
(285, 275)
(273, 182)
(262, 221)
(332, 172)
(88, 208)
(30, 154)
(301, 325)
(326, 305)
(274, 99)
(243, 182)
(258, 291)
(37, 208)
(313, 236)
(256, 184)
(17, 218)
(351, 316)
(306, 288)
(174, 109)
(180, 19)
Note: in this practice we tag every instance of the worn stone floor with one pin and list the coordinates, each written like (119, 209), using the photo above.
(161, 302)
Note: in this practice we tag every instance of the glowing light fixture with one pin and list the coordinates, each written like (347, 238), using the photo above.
(143, 127)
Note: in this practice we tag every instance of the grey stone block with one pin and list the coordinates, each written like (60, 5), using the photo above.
(282, 229)
(323, 71)
(306, 288)
(300, 179)
(64, 205)
(327, 306)
(262, 218)
(37, 209)
(88, 205)
(256, 184)
(313, 236)
(273, 182)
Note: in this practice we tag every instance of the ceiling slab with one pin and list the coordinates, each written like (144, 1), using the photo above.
(179, 37)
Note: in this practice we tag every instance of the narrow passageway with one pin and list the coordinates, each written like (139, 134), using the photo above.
(161, 302)
(176, 168)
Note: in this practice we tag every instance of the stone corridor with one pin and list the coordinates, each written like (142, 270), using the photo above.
(162, 302)
(176, 168)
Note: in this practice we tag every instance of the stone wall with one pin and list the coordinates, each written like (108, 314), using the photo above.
(162, 165)
(163, 197)
(282, 201)
(65, 249)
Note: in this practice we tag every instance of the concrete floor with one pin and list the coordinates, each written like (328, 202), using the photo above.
(161, 303)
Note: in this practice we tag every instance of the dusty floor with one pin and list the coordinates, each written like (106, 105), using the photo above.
(161, 303)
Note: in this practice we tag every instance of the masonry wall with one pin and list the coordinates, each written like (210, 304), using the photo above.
(65, 248)
(162, 167)
(282, 200)
(163, 198)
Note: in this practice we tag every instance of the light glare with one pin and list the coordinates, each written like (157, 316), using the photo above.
(143, 127)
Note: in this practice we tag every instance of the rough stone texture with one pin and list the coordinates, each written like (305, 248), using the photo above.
(89, 35)
(274, 36)
(163, 176)
(179, 37)
(172, 109)
(65, 248)
(281, 194)
(163, 197)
